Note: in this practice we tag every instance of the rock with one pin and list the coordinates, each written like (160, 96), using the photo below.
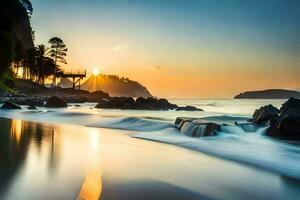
(165, 104)
(265, 114)
(31, 107)
(287, 125)
(180, 120)
(196, 127)
(140, 103)
(117, 103)
(248, 126)
(291, 103)
(56, 102)
(151, 103)
(10, 105)
(188, 108)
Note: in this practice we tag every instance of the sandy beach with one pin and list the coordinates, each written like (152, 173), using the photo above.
(80, 162)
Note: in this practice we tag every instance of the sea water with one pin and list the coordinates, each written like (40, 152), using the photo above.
(248, 146)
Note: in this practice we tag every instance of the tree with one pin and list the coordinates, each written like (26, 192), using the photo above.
(28, 6)
(19, 55)
(58, 52)
(6, 51)
(41, 58)
(30, 63)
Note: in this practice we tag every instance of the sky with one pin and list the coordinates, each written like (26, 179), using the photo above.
(179, 48)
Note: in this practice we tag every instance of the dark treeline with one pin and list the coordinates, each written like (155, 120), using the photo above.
(17, 48)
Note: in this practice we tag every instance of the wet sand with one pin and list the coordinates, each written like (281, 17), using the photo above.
(62, 161)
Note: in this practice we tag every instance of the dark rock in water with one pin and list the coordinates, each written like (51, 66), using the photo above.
(140, 104)
(37, 101)
(151, 103)
(196, 127)
(265, 114)
(287, 125)
(248, 126)
(32, 107)
(291, 103)
(188, 108)
(10, 105)
(180, 120)
(56, 102)
(116, 103)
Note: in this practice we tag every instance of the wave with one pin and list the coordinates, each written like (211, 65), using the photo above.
(241, 141)
(134, 124)
(234, 142)
(260, 152)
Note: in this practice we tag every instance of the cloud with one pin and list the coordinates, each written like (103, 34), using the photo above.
(119, 47)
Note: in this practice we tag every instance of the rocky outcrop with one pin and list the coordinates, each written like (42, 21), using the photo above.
(287, 125)
(56, 102)
(265, 113)
(117, 103)
(268, 94)
(26, 100)
(188, 108)
(116, 86)
(10, 105)
(151, 103)
(140, 103)
(194, 127)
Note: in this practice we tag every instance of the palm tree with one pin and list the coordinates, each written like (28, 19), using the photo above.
(58, 52)
(30, 63)
(41, 56)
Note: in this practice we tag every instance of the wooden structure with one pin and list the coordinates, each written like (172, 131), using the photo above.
(75, 76)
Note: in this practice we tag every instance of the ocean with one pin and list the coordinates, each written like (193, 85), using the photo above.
(248, 147)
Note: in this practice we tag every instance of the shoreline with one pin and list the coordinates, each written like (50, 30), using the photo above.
(139, 135)
(144, 169)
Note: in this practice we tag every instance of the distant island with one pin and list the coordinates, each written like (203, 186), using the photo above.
(268, 94)
(112, 84)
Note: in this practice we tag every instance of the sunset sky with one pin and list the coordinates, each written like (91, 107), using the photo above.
(180, 48)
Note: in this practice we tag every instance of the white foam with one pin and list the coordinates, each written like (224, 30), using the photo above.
(254, 149)
(133, 123)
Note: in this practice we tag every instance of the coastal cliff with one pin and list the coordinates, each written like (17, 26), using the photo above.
(268, 94)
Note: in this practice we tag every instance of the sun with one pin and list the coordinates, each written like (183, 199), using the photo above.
(96, 72)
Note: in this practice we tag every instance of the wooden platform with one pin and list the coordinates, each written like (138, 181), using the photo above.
(75, 76)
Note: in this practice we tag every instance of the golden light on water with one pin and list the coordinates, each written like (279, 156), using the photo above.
(91, 187)
(16, 130)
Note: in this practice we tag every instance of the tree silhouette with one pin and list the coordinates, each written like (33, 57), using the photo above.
(30, 63)
(7, 51)
(41, 60)
(28, 6)
(58, 52)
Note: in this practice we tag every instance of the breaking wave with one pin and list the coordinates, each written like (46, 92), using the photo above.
(243, 143)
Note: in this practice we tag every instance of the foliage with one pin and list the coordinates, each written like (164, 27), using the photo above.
(7, 83)
(58, 50)
(28, 6)
(39, 64)
(7, 51)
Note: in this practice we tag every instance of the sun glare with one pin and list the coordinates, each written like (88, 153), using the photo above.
(96, 72)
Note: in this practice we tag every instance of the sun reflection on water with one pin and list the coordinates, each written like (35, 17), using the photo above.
(16, 130)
